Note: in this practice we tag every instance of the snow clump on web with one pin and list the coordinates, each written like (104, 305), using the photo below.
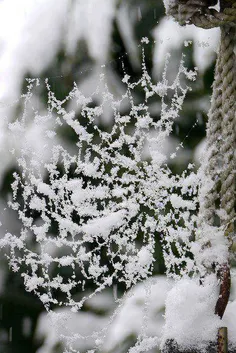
(103, 199)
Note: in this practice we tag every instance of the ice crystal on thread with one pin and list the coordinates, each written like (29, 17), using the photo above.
(112, 189)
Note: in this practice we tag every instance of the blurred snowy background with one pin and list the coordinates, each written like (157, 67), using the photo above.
(71, 41)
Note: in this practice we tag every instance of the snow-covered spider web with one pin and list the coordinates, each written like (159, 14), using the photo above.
(92, 213)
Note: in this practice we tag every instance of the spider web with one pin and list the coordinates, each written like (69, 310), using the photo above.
(91, 215)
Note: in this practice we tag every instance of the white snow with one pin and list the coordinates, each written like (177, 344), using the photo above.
(189, 315)
(229, 321)
(93, 26)
(64, 322)
(168, 4)
(24, 24)
(125, 22)
(169, 36)
(141, 313)
(178, 202)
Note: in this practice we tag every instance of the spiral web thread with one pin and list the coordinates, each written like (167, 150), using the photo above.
(100, 198)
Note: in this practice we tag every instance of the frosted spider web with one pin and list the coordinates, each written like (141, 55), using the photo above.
(109, 197)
